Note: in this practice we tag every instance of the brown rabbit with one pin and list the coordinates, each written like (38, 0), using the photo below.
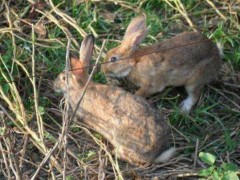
(138, 132)
(189, 59)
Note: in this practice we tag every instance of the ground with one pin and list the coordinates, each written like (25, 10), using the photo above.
(36, 36)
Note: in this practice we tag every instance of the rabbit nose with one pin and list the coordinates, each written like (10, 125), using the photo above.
(108, 72)
(106, 69)
(56, 86)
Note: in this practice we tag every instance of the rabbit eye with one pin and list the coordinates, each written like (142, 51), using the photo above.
(113, 59)
(63, 77)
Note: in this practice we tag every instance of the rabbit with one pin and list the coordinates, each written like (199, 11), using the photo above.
(138, 132)
(189, 59)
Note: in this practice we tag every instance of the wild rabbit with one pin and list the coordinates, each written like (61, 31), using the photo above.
(189, 59)
(138, 132)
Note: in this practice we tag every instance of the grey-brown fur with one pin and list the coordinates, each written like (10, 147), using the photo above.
(174, 63)
(138, 132)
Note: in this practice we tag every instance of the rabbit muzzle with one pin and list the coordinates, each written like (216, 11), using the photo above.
(56, 87)
(59, 83)
(118, 73)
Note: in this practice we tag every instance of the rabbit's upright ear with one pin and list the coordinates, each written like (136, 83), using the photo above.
(137, 24)
(77, 67)
(136, 32)
(86, 49)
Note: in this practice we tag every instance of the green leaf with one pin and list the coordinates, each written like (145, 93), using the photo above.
(207, 158)
(69, 177)
(2, 131)
(41, 110)
(90, 154)
(219, 170)
(228, 39)
(206, 172)
(229, 167)
(5, 88)
(98, 136)
(230, 175)
(49, 136)
(216, 176)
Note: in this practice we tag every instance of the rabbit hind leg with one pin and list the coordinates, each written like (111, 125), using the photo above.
(130, 156)
(194, 92)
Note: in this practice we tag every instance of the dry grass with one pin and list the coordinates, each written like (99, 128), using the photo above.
(37, 140)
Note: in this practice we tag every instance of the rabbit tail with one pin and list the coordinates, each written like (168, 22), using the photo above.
(165, 156)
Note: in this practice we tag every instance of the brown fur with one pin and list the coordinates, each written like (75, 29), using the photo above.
(176, 64)
(138, 132)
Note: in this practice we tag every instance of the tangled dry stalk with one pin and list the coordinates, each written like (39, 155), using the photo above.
(42, 141)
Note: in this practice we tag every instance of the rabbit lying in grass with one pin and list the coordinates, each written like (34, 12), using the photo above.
(138, 132)
(175, 63)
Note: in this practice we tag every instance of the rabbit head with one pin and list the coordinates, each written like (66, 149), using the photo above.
(119, 58)
(78, 75)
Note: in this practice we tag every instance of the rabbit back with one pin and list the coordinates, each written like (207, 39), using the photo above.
(138, 132)
(188, 58)
(187, 49)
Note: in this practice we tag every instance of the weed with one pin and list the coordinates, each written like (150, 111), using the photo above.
(29, 107)
(225, 171)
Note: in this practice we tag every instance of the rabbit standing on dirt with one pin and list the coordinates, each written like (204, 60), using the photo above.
(138, 132)
(189, 59)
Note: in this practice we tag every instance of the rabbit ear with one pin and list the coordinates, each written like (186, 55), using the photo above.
(86, 49)
(136, 25)
(134, 40)
(77, 67)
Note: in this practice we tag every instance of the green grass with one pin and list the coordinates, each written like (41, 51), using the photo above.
(214, 123)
